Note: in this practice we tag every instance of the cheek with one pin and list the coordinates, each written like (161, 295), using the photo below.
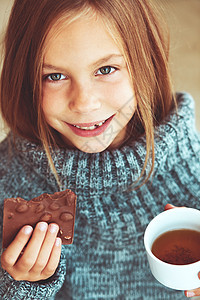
(125, 103)
(52, 102)
(121, 96)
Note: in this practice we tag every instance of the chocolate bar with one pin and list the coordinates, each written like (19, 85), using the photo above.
(56, 208)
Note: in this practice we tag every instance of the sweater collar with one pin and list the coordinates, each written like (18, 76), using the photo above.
(111, 171)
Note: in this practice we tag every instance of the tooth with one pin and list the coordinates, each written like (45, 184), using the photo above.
(90, 127)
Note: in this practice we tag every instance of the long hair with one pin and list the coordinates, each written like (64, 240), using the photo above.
(135, 27)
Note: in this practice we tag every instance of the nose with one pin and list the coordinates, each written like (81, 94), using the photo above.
(84, 98)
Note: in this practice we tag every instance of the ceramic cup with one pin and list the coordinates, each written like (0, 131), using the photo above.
(180, 277)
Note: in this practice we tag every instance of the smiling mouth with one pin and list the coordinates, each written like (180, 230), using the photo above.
(90, 127)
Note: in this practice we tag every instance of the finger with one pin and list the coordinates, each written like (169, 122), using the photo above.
(53, 260)
(193, 293)
(12, 253)
(46, 248)
(169, 206)
(28, 259)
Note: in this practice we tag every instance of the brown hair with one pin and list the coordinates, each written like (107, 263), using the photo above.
(134, 26)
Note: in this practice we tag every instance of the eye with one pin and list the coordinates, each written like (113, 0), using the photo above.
(55, 77)
(106, 70)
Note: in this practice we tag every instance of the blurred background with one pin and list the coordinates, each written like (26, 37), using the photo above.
(183, 18)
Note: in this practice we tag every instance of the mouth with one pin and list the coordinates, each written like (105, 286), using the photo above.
(90, 129)
(90, 126)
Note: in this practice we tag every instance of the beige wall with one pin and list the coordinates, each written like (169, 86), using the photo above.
(183, 17)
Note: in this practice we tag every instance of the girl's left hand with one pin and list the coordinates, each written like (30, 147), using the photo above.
(191, 293)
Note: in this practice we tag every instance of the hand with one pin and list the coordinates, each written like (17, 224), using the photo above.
(40, 257)
(191, 293)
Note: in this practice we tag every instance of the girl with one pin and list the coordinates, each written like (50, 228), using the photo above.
(87, 95)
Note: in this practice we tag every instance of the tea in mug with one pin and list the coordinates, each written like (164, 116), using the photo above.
(178, 247)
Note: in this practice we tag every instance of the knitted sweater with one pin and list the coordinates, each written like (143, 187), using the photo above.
(107, 259)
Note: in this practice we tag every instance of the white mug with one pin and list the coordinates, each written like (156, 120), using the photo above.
(179, 277)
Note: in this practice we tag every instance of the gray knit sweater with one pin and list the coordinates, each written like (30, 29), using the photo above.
(107, 259)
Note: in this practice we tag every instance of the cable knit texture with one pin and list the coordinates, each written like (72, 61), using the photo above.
(107, 259)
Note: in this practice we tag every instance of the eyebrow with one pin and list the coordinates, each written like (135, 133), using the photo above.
(106, 59)
(101, 61)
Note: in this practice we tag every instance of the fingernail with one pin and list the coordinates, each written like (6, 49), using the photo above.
(58, 242)
(42, 226)
(53, 228)
(190, 294)
(27, 230)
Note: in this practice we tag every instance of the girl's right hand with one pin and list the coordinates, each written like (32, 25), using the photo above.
(40, 257)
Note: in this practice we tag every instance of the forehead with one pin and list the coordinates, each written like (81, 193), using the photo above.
(83, 36)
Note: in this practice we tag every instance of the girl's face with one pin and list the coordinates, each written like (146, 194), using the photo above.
(87, 93)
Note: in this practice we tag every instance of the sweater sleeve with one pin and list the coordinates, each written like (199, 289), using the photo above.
(11, 289)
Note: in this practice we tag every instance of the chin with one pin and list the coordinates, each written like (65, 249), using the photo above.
(88, 147)
(91, 145)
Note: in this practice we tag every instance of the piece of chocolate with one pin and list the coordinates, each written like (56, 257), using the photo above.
(57, 208)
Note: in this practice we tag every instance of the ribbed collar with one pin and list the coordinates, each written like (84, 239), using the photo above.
(112, 171)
